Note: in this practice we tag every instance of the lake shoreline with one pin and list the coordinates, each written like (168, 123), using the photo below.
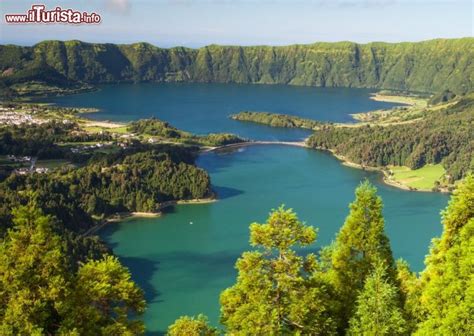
(386, 176)
(126, 216)
(392, 98)
(385, 171)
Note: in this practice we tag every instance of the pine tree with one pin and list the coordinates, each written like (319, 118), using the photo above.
(40, 293)
(377, 312)
(360, 243)
(410, 292)
(448, 279)
(275, 292)
(34, 280)
(104, 301)
(191, 326)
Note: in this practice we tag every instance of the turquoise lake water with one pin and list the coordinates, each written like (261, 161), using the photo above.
(184, 259)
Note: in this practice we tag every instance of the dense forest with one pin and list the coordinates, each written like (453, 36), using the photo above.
(444, 136)
(140, 178)
(50, 285)
(429, 66)
(277, 120)
(57, 278)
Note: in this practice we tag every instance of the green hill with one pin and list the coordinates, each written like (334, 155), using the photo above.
(443, 136)
(429, 66)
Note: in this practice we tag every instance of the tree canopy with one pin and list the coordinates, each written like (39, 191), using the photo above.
(447, 297)
(275, 292)
(43, 294)
(359, 245)
(378, 309)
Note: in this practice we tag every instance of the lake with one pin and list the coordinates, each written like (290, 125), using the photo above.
(184, 259)
(205, 108)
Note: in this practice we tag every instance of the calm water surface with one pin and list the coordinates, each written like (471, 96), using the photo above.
(205, 108)
(184, 259)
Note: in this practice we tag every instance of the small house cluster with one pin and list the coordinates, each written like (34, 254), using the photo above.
(9, 117)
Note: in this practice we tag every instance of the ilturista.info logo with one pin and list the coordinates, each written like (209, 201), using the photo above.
(39, 14)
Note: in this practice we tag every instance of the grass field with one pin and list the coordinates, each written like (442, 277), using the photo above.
(97, 129)
(51, 164)
(423, 178)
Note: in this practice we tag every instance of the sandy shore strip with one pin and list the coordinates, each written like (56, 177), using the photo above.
(125, 216)
(104, 124)
(165, 205)
(407, 100)
(198, 201)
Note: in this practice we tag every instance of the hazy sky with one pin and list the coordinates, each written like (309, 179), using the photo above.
(248, 22)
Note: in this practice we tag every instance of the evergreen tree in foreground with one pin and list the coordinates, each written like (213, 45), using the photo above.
(359, 245)
(377, 312)
(40, 294)
(280, 293)
(447, 297)
(275, 293)
(190, 326)
(34, 282)
(104, 301)
(410, 292)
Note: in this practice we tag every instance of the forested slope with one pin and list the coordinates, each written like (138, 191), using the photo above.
(429, 66)
(444, 136)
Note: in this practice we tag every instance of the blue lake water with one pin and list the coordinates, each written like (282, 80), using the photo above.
(205, 108)
(184, 259)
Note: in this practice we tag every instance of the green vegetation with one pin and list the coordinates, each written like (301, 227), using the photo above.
(277, 120)
(417, 108)
(443, 136)
(45, 291)
(359, 246)
(378, 310)
(354, 287)
(442, 97)
(37, 78)
(52, 164)
(276, 292)
(447, 297)
(190, 326)
(57, 136)
(425, 178)
(140, 178)
(42, 140)
(163, 130)
(94, 175)
(429, 66)
(55, 278)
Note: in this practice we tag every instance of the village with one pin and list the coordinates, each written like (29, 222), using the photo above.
(27, 164)
(98, 136)
(9, 116)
